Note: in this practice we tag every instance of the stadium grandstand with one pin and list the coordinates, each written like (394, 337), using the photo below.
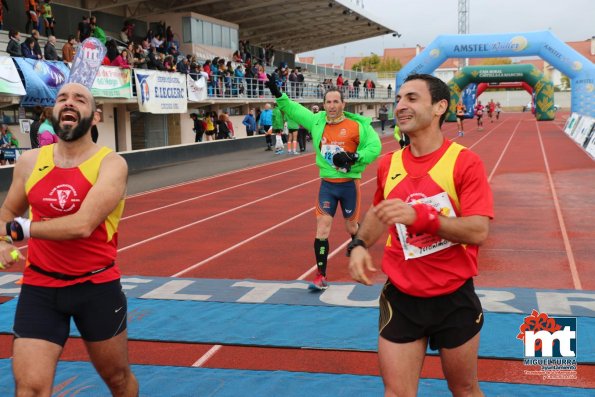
(242, 38)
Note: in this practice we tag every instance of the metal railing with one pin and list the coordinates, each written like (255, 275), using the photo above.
(251, 88)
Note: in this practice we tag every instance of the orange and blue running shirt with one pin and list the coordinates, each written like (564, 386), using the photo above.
(343, 136)
(452, 179)
(54, 192)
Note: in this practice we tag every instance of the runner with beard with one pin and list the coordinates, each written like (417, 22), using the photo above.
(75, 191)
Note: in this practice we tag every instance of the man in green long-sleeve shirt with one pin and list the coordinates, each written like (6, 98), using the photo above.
(344, 143)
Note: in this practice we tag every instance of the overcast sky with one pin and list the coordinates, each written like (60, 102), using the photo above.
(421, 21)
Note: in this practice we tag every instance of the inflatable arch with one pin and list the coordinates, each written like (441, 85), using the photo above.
(579, 69)
(543, 89)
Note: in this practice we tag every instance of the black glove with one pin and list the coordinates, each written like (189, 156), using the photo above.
(272, 86)
(345, 159)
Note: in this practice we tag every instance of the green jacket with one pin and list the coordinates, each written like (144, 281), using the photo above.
(99, 34)
(369, 142)
(291, 124)
(278, 120)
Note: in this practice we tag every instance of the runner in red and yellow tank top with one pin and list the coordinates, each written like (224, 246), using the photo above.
(75, 192)
(434, 198)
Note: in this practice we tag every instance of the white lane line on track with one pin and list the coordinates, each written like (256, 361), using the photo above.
(571, 262)
(215, 216)
(207, 356)
(220, 253)
(159, 189)
(503, 152)
(214, 192)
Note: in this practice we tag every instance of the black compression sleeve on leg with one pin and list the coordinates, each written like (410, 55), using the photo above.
(321, 253)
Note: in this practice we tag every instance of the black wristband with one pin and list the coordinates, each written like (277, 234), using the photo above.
(356, 242)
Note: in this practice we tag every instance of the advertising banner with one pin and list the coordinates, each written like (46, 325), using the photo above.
(43, 79)
(160, 92)
(197, 89)
(10, 81)
(112, 82)
(87, 62)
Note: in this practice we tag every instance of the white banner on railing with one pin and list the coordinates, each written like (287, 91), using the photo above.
(112, 82)
(10, 81)
(197, 89)
(160, 92)
(582, 129)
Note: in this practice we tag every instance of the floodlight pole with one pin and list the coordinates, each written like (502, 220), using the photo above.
(463, 20)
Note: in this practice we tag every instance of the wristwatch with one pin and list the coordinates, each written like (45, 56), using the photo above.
(356, 242)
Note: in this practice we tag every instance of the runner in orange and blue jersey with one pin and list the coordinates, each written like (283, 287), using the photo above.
(344, 143)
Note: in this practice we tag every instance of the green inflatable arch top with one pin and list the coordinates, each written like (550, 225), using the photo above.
(542, 87)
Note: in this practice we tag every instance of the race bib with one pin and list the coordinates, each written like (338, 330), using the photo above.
(416, 246)
(328, 151)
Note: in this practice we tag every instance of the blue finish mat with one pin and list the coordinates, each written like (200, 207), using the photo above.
(502, 300)
(80, 379)
(317, 327)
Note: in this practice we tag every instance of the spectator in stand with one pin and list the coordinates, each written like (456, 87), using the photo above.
(36, 46)
(121, 60)
(127, 32)
(84, 30)
(154, 60)
(168, 64)
(68, 49)
(32, 16)
(372, 87)
(236, 57)
(48, 18)
(356, 84)
(157, 42)
(250, 123)
(262, 79)
(173, 51)
(2, 5)
(96, 31)
(149, 35)
(140, 59)
(27, 48)
(183, 66)
(46, 134)
(112, 50)
(169, 35)
(389, 91)
(238, 80)
(300, 83)
(49, 51)
(14, 44)
(340, 82)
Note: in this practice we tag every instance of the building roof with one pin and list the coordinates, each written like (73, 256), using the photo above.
(294, 26)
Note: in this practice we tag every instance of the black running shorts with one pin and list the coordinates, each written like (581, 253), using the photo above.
(447, 320)
(99, 311)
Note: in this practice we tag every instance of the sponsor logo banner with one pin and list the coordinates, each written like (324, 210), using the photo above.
(87, 62)
(43, 79)
(112, 82)
(10, 82)
(161, 92)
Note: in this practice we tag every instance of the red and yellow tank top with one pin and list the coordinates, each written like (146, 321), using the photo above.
(54, 192)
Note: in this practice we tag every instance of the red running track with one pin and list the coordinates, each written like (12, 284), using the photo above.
(259, 223)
